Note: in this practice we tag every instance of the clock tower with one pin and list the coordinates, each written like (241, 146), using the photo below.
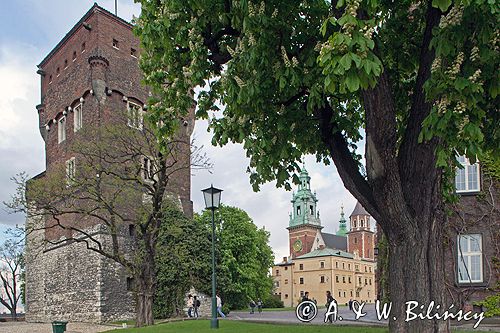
(304, 218)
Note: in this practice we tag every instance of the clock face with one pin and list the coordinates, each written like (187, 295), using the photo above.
(297, 245)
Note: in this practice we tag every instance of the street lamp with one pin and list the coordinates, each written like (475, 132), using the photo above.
(212, 202)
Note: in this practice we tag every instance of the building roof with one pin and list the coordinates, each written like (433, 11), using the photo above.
(325, 252)
(335, 242)
(94, 8)
(359, 210)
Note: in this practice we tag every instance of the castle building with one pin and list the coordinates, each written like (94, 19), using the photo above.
(342, 263)
(89, 77)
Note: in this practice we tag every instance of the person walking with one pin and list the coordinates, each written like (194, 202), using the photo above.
(259, 305)
(304, 299)
(329, 300)
(190, 305)
(252, 306)
(196, 306)
(219, 307)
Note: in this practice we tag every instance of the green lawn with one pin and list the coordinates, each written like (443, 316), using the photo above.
(227, 326)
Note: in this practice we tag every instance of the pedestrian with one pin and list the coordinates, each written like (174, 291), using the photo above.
(350, 304)
(305, 298)
(196, 306)
(329, 300)
(190, 305)
(252, 306)
(259, 305)
(219, 307)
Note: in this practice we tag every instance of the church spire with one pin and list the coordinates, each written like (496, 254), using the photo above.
(304, 203)
(342, 223)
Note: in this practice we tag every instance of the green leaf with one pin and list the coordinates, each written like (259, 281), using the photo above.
(441, 4)
(352, 82)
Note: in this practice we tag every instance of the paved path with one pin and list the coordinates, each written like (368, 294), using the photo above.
(23, 327)
(288, 317)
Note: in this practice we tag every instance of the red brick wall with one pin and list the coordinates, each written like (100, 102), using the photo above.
(306, 234)
(355, 241)
(120, 73)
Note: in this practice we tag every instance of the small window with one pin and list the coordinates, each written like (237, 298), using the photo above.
(74, 55)
(311, 209)
(344, 293)
(370, 269)
(134, 112)
(337, 278)
(470, 258)
(133, 52)
(298, 210)
(467, 177)
(349, 266)
(130, 284)
(70, 170)
(61, 129)
(343, 265)
(301, 280)
(131, 230)
(340, 293)
(351, 293)
(277, 272)
(147, 168)
(83, 47)
(77, 112)
(301, 266)
(277, 284)
(286, 296)
(366, 282)
(58, 71)
(322, 264)
(356, 268)
(286, 268)
(286, 281)
(115, 44)
(359, 280)
(349, 279)
(355, 224)
(370, 281)
(343, 279)
(50, 79)
(65, 63)
(355, 240)
(322, 279)
(366, 270)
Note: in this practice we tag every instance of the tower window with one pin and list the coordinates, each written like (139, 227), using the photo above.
(311, 209)
(131, 230)
(134, 112)
(65, 63)
(355, 225)
(74, 55)
(115, 43)
(50, 79)
(61, 129)
(57, 71)
(298, 210)
(355, 240)
(70, 170)
(133, 52)
(77, 111)
(83, 47)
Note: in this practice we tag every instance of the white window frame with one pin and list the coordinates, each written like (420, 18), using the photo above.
(78, 117)
(464, 257)
(134, 115)
(70, 170)
(466, 172)
(61, 129)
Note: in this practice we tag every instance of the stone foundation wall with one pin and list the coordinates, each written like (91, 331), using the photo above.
(70, 282)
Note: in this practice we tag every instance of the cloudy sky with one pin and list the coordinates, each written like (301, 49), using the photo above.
(31, 29)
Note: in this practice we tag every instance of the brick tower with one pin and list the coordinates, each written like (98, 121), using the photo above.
(304, 220)
(90, 76)
(360, 239)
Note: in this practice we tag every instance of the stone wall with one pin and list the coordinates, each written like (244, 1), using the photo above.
(70, 282)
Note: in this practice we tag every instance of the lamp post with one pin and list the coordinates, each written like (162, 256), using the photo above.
(212, 202)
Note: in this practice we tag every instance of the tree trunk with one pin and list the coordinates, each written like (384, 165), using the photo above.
(416, 273)
(145, 286)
